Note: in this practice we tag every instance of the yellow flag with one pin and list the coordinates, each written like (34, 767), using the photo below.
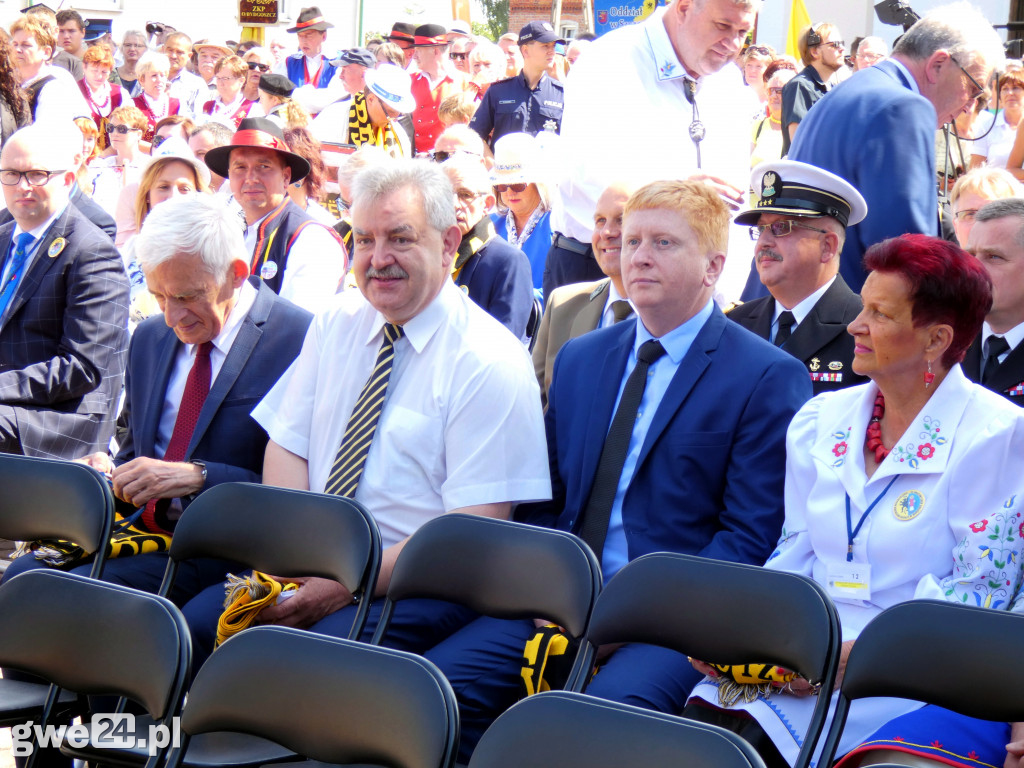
(460, 10)
(799, 21)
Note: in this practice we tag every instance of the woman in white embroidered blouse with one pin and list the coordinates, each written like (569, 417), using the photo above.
(895, 488)
(230, 105)
(109, 175)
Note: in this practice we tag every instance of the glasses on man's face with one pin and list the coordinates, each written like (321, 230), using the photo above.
(12, 178)
(122, 129)
(458, 56)
(781, 228)
(978, 88)
(835, 45)
(967, 214)
(439, 155)
(254, 65)
(517, 188)
(775, 91)
(133, 45)
(468, 196)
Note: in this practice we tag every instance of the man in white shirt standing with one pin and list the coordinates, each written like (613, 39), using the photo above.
(190, 90)
(50, 96)
(309, 66)
(297, 257)
(671, 70)
(456, 425)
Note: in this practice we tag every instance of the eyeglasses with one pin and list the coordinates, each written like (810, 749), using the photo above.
(122, 129)
(835, 45)
(978, 88)
(458, 56)
(253, 65)
(966, 215)
(11, 178)
(134, 45)
(870, 58)
(226, 79)
(439, 155)
(781, 228)
(467, 196)
(760, 50)
(774, 91)
(517, 188)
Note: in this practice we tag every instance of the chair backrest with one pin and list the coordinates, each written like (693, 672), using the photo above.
(331, 700)
(907, 652)
(724, 613)
(50, 499)
(283, 532)
(565, 730)
(498, 568)
(95, 638)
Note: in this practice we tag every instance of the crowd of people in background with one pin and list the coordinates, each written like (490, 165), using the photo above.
(330, 269)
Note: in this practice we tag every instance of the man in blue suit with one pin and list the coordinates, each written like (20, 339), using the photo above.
(877, 130)
(196, 266)
(664, 433)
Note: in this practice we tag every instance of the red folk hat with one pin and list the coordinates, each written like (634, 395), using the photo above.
(261, 133)
(431, 35)
(311, 18)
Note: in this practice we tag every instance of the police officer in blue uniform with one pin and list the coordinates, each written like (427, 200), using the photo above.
(531, 101)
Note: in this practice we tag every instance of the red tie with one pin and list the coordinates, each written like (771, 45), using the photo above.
(197, 387)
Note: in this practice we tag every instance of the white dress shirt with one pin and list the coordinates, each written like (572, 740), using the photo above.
(461, 423)
(800, 311)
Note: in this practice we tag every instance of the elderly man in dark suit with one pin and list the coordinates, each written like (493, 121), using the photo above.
(996, 358)
(193, 376)
(574, 309)
(63, 305)
(800, 224)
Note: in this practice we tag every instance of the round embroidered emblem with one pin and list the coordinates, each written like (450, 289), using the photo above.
(908, 505)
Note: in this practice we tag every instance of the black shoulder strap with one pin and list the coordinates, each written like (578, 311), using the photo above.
(33, 91)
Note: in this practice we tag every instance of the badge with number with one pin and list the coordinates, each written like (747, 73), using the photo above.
(851, 581)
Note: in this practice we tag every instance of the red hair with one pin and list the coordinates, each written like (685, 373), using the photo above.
(947, 285)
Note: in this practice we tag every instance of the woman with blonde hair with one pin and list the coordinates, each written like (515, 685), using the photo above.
(973, 190)
(277, 103)
(154, 102)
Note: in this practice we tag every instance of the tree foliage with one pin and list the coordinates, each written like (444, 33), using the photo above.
(496, 15)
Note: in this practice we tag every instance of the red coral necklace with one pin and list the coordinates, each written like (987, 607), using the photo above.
(874, 431)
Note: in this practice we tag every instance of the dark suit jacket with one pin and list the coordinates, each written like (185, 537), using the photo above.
(820, 341)
(63, 341)
(879, 135)
(570, 311)
(226, 438)
(1008, 380)
(87, 207)
(498, 278)
(709, 478)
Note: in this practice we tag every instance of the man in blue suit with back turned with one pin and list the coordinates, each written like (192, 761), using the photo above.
(664, 433)
(193, 376)
(877, 130)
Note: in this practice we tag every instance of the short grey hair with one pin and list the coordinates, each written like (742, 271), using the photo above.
(472, 171)
(201, 225)
(366, 156)
(133, 33)
(152, 61)
(464, 135)
(379, 181)
(1005, 208)
(958, 28)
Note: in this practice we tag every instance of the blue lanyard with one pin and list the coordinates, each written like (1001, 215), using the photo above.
(851, 532)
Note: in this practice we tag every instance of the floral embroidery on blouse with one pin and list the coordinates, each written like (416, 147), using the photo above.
(840, 448)
(930, 437)
(510, 223)
(784, 539)
(985, 568)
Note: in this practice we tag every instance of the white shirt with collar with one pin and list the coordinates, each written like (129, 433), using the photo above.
(60, 100)
(244, 299)
(316, 265)
(626, 105)
(461, 423)
(1013, 337)
(801, 310)
(608, 317)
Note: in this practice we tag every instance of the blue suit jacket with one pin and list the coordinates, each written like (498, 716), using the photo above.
(226, 438)
(498, 279)
(709, 480)
(879, 135)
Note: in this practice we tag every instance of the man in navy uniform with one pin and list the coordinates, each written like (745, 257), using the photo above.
(531, 101)
(800, 225)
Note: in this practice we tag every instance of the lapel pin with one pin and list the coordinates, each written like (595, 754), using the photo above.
(56, 247)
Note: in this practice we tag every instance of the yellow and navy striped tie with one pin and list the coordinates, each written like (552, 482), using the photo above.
(355, 445)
